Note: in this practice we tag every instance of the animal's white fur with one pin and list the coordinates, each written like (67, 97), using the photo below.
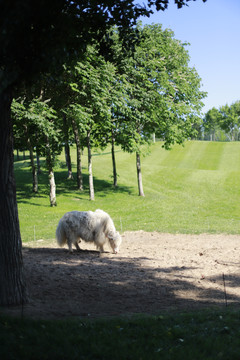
(89, 226)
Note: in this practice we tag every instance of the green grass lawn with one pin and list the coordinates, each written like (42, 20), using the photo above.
(190, 189)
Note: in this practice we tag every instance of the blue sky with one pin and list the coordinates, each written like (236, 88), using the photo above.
(213, 31)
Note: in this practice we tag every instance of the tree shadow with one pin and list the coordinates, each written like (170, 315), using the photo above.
(64, 186)
(101, 187)
(87, 282)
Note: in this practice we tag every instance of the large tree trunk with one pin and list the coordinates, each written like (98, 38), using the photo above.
(67, 147)
(12, 283)
(91, 186)
(79, 159)
(114, 162)
(139, 175)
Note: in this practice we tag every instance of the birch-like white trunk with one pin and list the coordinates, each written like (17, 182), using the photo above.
(51, 178)
(52, 193)
(139, 175)
(90, 174)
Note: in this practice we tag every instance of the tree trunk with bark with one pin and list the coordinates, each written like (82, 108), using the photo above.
(34, 173)
(52, 193)
(68, 161)
(12, 283)
(67, 148)
(139, 175)
(114, 162)
(38, 164)
(79, 160)
(34, 170)
(49, 162)
(91, 186)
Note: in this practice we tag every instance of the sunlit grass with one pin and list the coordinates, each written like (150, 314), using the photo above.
(190, 189)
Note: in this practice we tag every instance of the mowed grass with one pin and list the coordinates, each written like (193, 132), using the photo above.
(190, 189)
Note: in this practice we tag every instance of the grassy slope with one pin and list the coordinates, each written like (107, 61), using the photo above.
(191, 189)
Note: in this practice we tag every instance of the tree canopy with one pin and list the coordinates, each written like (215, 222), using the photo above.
(125, 99)
(38, 35)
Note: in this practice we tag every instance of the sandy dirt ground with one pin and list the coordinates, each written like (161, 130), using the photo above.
(152, 273)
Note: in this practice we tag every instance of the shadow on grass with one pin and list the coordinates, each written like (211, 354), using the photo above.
(89, 283)
(63, 186)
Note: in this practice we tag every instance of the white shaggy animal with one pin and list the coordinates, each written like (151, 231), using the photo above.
(89, 226)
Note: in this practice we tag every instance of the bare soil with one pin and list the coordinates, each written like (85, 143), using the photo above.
(152, 273)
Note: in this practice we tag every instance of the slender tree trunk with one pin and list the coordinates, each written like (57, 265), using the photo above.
(12, 283)
(68, 161)
(91, 186)
(79, 160)
(49, 162)
(114, 162)
(38, 164)
(139, 175)
(34, 170)
(34, 173)
(67, 148)
(52, 194)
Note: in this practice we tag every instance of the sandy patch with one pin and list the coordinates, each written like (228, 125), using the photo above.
(153, 272)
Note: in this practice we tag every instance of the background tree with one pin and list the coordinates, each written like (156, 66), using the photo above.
(229, 119)
(223, 123)
(92, 82)
(40, 133)
(58, 90)
(113, 105)
(66, 131)
(48, 144)
(179, 99)
(25, 131)
(211, 123)
(163, 93)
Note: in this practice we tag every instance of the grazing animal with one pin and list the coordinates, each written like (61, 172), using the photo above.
(96, 227)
